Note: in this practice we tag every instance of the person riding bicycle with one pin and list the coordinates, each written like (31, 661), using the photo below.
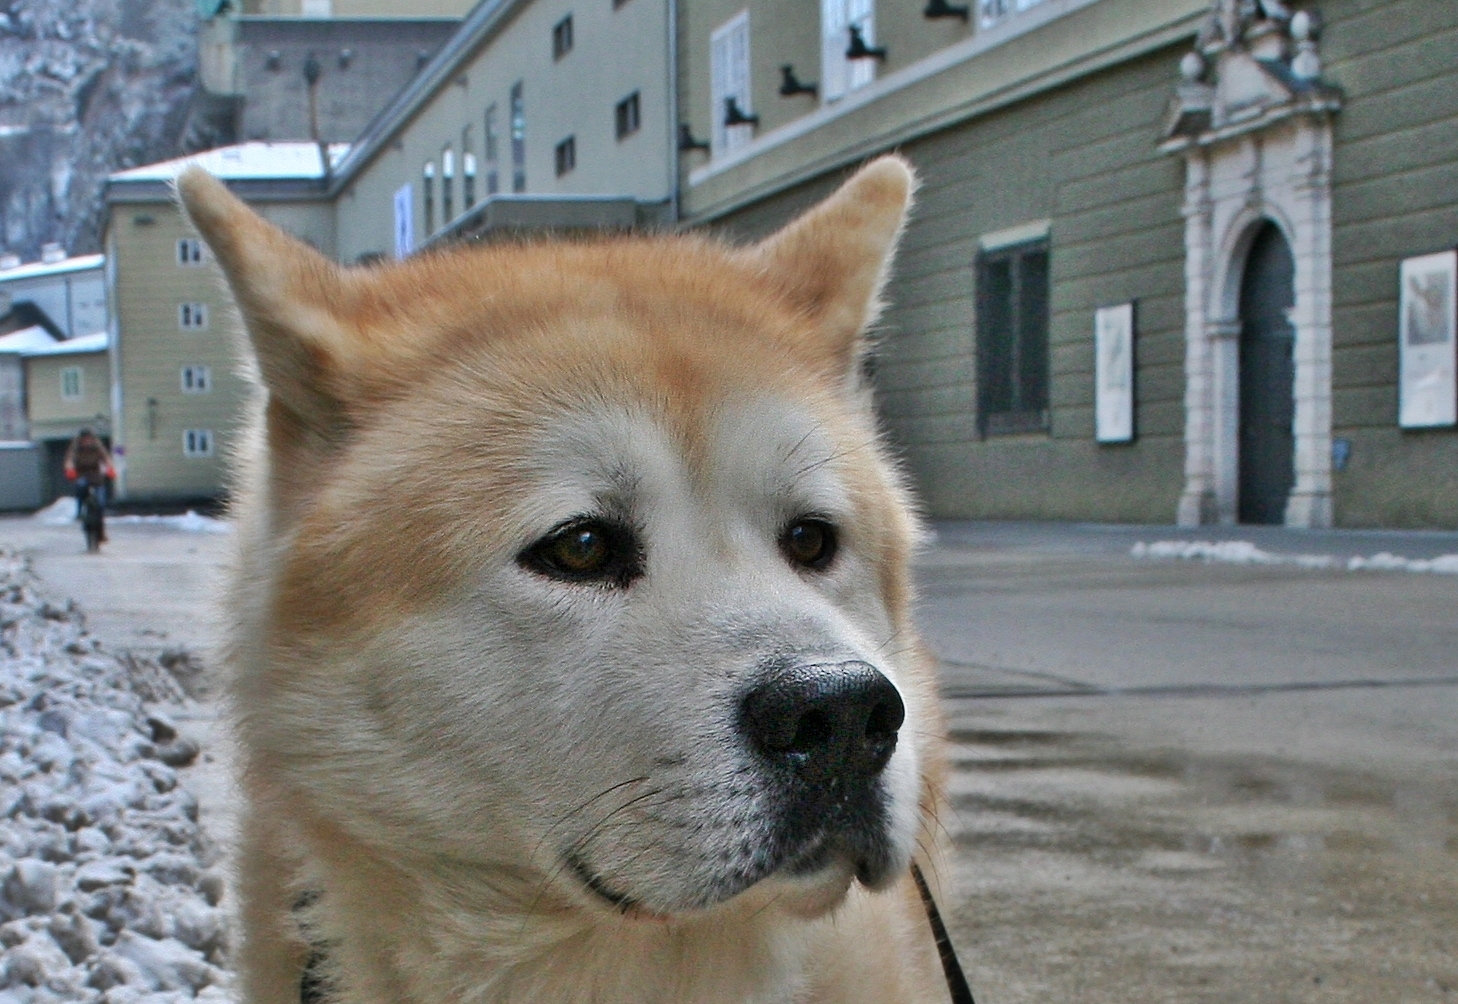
(89, 465)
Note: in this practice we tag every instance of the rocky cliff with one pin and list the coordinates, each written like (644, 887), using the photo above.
(88, 87)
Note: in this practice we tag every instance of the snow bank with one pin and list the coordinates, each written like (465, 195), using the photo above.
(1243, 552)
(106, 891)
(59, 513)
(62, 512)
(188, 522)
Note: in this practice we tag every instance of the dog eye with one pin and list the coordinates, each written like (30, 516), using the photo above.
(586, 550)
(809, 543)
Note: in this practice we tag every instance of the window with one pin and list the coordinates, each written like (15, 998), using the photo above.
(839, 75)
(192, 316)
(468, 169)
(468, 180)
(197, 443)
(566, 155)
(427, 189)
(196, 380)
(492, 152)
(626, 116)
(1012, 339)
(190, 252)
(73, 388)
(404, 221)
(991, 12)
(518, 138)
(562, 37)
(729, 84)
(447, 186)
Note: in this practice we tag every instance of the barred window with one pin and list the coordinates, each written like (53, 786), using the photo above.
(197, 443)
(1012, 339)
(190, 251)
(192, 316)
(196, 380)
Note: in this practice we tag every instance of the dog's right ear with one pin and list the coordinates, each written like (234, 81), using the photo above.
(292, 299)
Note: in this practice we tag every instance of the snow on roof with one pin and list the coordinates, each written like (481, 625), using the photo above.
(26, 341)
(96, 342)
(245, 162)
(39, 268)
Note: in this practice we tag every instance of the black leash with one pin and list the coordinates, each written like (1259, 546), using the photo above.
(951, 968)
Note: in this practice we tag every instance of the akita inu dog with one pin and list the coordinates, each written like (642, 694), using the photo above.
(570, 641)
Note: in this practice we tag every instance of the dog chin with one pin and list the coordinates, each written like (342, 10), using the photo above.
(810, 894)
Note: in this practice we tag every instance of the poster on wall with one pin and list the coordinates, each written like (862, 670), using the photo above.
(1427, 341)
(1114, 373)
(404, 221)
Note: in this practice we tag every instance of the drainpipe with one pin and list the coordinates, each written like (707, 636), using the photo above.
(674, 158)
(312, 71)
(114, 361)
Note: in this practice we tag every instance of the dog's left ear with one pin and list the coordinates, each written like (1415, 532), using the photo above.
(833, 261)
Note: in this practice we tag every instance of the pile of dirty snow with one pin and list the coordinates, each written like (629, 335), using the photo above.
(106, 889)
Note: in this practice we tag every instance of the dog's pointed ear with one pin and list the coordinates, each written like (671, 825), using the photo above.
(833, 261)
(290, 296)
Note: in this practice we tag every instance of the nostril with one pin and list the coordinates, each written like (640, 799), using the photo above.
(825, 719)
(815, 728)
(885, 718)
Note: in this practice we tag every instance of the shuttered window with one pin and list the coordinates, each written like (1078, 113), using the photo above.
(1012, 339)
(729, 71)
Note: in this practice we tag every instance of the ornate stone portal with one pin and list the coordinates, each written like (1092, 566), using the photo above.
(1252, 118)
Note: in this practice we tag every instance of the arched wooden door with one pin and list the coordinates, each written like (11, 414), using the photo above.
(1267, 469)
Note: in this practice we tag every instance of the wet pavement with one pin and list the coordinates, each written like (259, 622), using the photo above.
(1175, 781)
(1179, 781)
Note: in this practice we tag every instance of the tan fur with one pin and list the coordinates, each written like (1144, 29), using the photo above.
(401, 448)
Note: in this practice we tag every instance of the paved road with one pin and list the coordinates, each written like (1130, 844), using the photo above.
(1175, 781)
(1246, 792)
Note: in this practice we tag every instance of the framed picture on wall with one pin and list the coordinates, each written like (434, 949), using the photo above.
(1114, 373)
(1427, 341)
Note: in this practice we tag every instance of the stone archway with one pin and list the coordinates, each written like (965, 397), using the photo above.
(1253, 122)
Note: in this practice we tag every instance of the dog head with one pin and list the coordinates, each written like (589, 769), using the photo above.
(583, 561)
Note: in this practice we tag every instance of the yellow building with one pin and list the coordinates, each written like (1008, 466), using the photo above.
(67, 389)
(176, 397)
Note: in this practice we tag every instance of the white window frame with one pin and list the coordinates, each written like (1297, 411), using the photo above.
(729, 65)
(191, 252)
(198, 442)
(196, 379)
(192, 316)
(80, 392)
(994, 12)
(839, 75)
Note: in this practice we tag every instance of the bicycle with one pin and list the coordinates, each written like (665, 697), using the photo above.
(92, 515)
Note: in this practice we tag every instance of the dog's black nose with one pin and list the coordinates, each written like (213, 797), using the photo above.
(826, 720)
